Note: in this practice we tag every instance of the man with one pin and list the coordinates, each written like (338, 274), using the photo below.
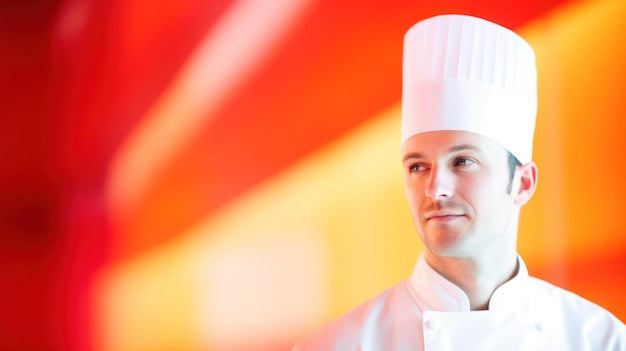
(468, 116)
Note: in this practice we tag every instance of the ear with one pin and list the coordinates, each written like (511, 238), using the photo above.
(527, 183)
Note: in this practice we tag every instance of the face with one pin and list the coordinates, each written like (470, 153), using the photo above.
(456, 183)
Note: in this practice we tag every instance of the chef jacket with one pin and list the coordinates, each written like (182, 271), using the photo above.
(428, 312)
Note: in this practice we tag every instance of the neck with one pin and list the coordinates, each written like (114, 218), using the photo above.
(478, 277)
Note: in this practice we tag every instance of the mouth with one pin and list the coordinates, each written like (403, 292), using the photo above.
(442, 217)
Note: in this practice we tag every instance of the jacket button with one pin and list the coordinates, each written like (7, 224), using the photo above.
(434, 324)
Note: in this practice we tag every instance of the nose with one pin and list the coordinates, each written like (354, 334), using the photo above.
(439, 184)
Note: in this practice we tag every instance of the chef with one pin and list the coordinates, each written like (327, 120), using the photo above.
(469, 104)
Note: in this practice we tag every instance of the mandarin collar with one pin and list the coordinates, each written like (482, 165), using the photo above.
(433, 292)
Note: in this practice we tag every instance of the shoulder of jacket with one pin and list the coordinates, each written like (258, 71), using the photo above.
(349, 328)
(575, 307)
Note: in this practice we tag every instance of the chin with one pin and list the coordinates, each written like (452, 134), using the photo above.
(444, 244)
(442, 250)
(445, 252)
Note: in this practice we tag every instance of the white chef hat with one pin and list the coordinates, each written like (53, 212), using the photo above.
(465, 73)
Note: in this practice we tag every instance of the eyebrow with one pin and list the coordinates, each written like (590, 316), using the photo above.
(455, 148)
(463, 147)
(412, 155)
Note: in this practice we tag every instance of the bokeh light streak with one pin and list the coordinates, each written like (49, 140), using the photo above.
(237, 45)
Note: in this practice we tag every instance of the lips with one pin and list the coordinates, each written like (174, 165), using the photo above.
(441, 216)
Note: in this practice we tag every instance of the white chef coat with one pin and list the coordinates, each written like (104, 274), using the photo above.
(428, 312)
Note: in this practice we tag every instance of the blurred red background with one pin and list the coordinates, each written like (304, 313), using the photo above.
(124, 124)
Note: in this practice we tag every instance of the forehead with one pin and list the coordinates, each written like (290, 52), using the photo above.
(442, 142)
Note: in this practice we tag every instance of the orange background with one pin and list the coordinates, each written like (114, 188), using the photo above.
(225, 175)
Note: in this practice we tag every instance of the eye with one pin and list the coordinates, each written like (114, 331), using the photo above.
(416, 167)
(462, 161)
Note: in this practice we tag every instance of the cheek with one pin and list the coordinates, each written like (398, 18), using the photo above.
(477, 195)
(415, 202)
(488, 199)
(414, 195)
